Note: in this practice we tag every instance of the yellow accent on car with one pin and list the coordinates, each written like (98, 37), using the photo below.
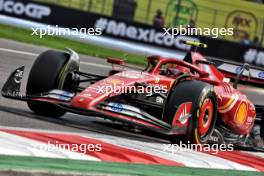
(196, 136)
(230, 101)
(114, 81)
(197, 44)
(62, 72)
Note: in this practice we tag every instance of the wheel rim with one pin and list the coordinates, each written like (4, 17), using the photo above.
(205, 117)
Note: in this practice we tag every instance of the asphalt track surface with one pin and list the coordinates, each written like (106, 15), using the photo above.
(16, 114)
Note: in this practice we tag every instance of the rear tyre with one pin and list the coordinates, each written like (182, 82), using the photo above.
(45, 75)
(204, 109)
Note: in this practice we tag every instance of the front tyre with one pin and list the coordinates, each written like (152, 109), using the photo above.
(47, 73)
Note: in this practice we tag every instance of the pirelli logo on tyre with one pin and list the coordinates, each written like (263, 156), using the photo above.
(204, 95)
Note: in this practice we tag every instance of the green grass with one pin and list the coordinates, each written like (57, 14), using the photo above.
(109, 168)
(23, 35)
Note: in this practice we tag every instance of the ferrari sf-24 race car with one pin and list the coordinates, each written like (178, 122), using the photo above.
(195, 101)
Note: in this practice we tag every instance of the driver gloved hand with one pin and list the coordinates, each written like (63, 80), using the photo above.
(257, 140)
(255, 130)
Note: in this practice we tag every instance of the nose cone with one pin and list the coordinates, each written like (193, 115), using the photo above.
(103, 89)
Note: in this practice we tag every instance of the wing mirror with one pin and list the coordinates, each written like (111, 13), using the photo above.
(116, 61)
(240, 73)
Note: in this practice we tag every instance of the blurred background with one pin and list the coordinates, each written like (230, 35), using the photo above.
(246, 17)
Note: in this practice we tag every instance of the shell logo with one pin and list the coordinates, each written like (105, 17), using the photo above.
(241, 113)
(229, 105)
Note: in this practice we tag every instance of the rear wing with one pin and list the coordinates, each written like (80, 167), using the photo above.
(252, 74)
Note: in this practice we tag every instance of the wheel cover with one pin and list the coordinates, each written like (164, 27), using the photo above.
(205, 117)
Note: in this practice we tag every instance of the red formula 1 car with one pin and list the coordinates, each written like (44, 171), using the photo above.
(189, 97)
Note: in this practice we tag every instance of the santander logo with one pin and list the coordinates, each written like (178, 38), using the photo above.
(182, 114)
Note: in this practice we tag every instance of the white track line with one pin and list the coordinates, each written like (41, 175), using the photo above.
(95, 65)
(35, 54)
(18, 52)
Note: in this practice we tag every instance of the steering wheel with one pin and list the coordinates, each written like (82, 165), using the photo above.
(169, 71)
